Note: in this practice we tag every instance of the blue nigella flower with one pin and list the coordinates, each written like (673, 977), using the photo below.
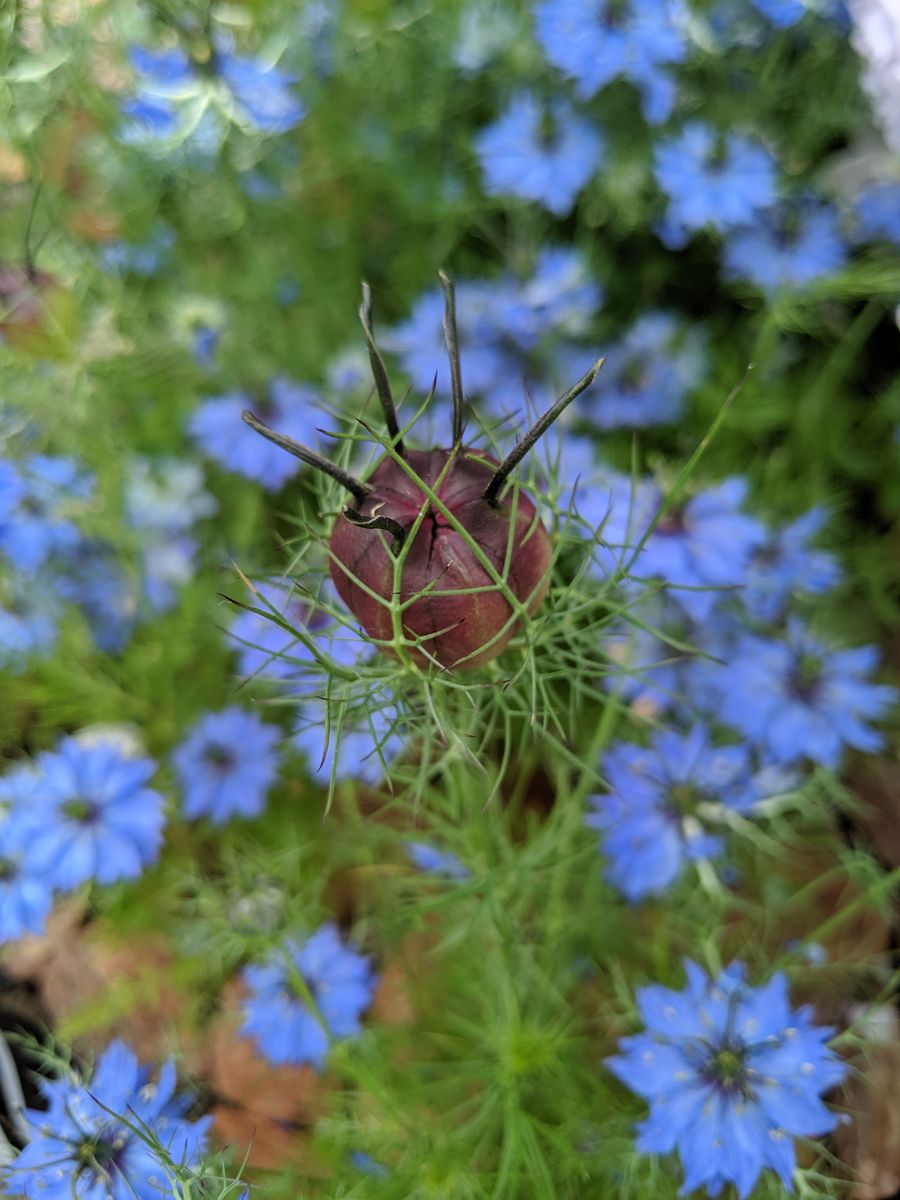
(29, 616)
(436, 862)
(50, 491)
(786, 566)
(801, 698)
(91, 815)
(878, 213)
(267, 651)
(595, 43)
(787, 248)
(545, 153)
(262, 92)
(732, 1075)
(646, 376)
(307, 996)
(25, 896)
(362, 748)
(711, 180)
(653, 818)
(559, 298)
(227, 765)
(93, 578)
(81, 1146)
(289, 408)
(166, 495)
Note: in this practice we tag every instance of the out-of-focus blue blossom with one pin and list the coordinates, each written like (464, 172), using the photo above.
(81, 1146)
(560, 298)
(144, 258)
(294, 1024)
(267, 651)
(289, 408)
(436, 862)
(595, 43)
(646, 376)
(652, 819)
(486, 31)
(29, 616)
(545, 153)
(878, 213)
(644, 670)
(12, 491)
(205, 343)
(801, 698)
(732, 1075)
(91, 815)
(360, 749)
(93, 578)
(782, 13)
(25, 896)
(35, 517)
(166, 496)
(786, 249)
(226, 765)
(786, 566)
(350, 370)
(166, 564)
(711, 180)
(368, 1165)
(174, 98)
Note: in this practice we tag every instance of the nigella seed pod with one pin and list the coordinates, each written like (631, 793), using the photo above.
(437, 557)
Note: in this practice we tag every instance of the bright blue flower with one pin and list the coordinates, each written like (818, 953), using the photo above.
(25, 897)
(646, 376)
(800, 698)
(786, 566)
(29, 617)
(290, 1026)
(436, 862)
(266, 651)
(40, 524)
(144, 259)
(362, 749)
(12, 491)
(290, 408)
(878, 213)
(786, 249)
(93, 578)
(781, 13)
(652, 818)
(711, 180)
(560, 298)
(227, 765)
(541, 153)
(81, 1146)
(262, 92)
(732, 1075)
(595, 43)
(91, 815)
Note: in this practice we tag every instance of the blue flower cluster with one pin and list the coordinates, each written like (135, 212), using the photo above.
(732, 1075)
(227, 765)
(116, 1135)
(308, 996)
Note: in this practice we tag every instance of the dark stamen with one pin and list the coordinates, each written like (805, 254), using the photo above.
(451, 336)
(394, 528)
(538, 429)
(350, 482)
(379, 372)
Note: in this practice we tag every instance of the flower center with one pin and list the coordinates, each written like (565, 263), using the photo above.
(220, 758)
(100, 1153)
(683, 799)
(726, 1069)
(84, 811)
(806, 678)
(8, 870)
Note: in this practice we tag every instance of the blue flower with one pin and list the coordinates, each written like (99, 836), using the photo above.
(712, 180)
(436, 862)
(263, 93)
(93, 578)
(91, 815)
(306, 997)
(801, 698)
(289, 408)
(878, 213)
(559, 298)
(50, 491)
(166, 564)
(267, 651)
(84, 1144)
(732, 1075)
(652, 818)
(29, 616)
(786, 249)
(144, 259)
(786, 566)
(595, 43)
(361, 749)
(646, 376)
(227, 765)
(166, 495)
(25, 896)
(541, 153)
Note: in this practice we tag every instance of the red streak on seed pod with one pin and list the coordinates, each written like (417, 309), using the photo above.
(464, 630)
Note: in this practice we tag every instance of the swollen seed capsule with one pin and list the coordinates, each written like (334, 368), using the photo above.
(450, 578)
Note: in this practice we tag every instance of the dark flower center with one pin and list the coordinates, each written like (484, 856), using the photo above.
(84, 811)
(220, 758)
(806, 678)
(672, 523)
(633, 375)
(548, 134)
(726, 1069)
(101, 1153)
(8, 870)
(683, 799)
(613, 14)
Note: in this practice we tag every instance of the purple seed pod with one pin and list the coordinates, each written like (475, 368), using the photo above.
(446, 576)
